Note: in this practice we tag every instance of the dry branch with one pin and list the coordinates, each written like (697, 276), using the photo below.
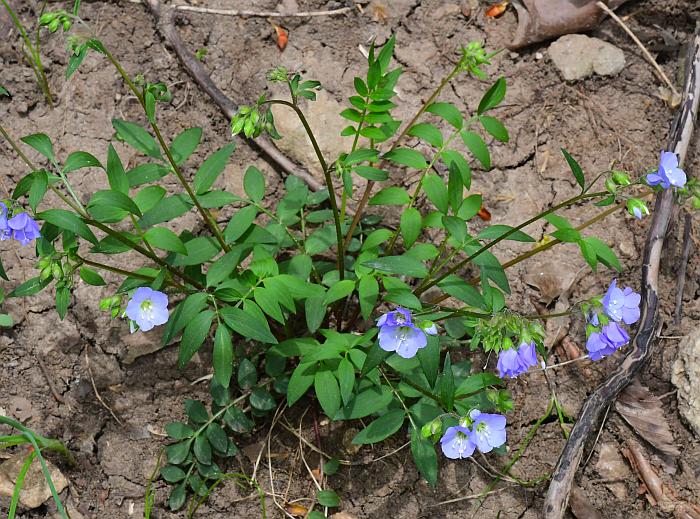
(165, 24)
(679, 140)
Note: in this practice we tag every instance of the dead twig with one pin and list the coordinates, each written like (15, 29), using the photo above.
(644, 50)
(557, 497)
(260, 14)
(687, 244)
(165, 23)
(94, 387)
(56, 395)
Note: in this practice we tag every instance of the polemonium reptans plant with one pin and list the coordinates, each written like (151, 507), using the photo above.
(373, 318)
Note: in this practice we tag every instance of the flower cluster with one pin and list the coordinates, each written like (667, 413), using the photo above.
(398, 333)
(668, 174)
(512, 362)
(604, 333)
(21, 227)
(478, 430)
(147, 308)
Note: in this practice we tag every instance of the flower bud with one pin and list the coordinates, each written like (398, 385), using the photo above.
(621, 178)
(637, 208)
(610, 185)
(56, 270)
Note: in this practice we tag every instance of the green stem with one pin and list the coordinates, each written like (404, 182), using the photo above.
(206, 216)
(430, 283)
(370, 184)
(398, 397)
(16, 148)
(329, 182)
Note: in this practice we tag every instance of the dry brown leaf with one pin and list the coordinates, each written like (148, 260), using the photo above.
(281, 37)
(497, 10)
(484, 214)
(581, 507)
(644, 412)
(296, 510)
(379, 12)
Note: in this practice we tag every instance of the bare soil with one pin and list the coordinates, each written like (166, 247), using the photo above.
(599, 120)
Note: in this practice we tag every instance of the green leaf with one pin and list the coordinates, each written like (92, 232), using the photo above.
(328, 498)
(429, 358)
(116, 199)
(223, 266)
(605, 254)
(346, 379)
(407, 157)
(177, 452)
(477, 382)
(69, 222)
(177, 497)
(237, 421)
(222, 359)
(217, 437)
(368, 292)
(40, 184)
(494, 127)
(172, 474)
(424, 456)
(477, 146)
(456, 162)
(327, 392)
(118, 181)
(80, 159)
(371, 173)
(91, 277)
(211, 168)
(202, 450)
(558, 221)
(183, 314)
(179, 431)
(41, 143)
(448, 112)
(184, 144)
(381, 428)
(390, 196)
(436, 191)
(493, 96)
(199, 250)
(315, 311)
(254, 184)
(247, 374)
(137, 138)
(165, 210)
(262, 400)
(339, 290)
(411, 226)
(361, 155)
(369, 401)
(470, 207)
(195, 411)
(575, 169)
(165, 239)
(6, 321)
(428, 133)
(456, 227)
(567, 235)
(193, 337)
(301, 380)
(402, 265)
(249, 321)
(240, 223)
(457, 287)
(494, 232)
(145, 173)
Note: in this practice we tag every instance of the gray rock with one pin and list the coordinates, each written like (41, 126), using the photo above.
(326, 124)
(686, 377)
(35, 490)
(577, 56)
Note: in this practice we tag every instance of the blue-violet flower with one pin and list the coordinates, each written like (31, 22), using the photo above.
(621, 305)
(457, 442)
(24, 228)
(147, 308)
(488, 430)
(668, 174)
(398, 333)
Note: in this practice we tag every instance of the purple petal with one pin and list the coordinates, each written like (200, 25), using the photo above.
(413, 340)
(654, 179)
(457, 443)
(676, 177)
(508, 364)
(668, 160)
(19, 221)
